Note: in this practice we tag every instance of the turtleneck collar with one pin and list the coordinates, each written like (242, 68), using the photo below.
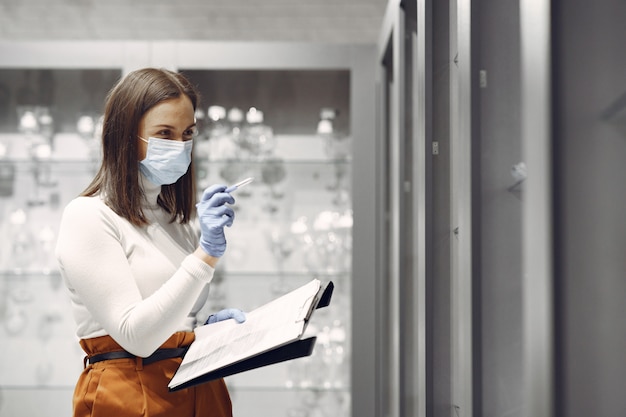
(151, 191)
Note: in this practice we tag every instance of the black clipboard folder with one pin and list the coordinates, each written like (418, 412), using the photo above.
(292, 350)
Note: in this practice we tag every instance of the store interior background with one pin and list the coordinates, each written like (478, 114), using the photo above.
(35, 315)
(516, 240)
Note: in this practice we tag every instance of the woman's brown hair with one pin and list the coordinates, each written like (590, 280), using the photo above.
(117, 180)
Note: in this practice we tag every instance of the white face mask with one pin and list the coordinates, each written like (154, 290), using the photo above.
(166, 160)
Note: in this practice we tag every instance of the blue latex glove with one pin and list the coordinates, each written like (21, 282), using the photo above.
(227, 313)
(214, 215)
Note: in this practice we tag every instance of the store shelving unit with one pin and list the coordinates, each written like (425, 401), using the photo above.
(34, 312)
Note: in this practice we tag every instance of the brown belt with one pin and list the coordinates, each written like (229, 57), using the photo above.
(158, 355)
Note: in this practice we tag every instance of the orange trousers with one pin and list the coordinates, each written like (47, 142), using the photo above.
(127, 388)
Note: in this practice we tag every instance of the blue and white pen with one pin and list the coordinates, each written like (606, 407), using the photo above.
(238, 185)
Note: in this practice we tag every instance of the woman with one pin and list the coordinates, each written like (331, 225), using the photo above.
(137, 272)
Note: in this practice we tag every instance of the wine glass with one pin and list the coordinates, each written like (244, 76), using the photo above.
(282, 244)
(273, 173)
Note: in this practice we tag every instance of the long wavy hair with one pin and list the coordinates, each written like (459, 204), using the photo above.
(117, 180)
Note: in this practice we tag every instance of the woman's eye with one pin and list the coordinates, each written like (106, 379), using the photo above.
(190, 133)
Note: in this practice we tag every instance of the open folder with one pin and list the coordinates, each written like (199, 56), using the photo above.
(271, 334)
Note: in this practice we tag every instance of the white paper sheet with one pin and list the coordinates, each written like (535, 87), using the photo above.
(274, 324)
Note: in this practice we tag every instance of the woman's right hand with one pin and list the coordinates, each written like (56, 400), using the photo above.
(214, 215)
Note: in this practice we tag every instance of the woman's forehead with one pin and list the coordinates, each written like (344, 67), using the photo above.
(171, 113)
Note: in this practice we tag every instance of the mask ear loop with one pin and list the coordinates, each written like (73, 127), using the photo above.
(147, 142)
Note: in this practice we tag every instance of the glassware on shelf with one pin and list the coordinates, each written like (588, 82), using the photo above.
(235, 120)
(85, 126)
(273, 174)
(328, 367)
(39, 147)
(300, 229)
(337, 145)
(334, 354)
(21, 241)
(217, 145)
(28, 123)
(301, 373)
(338, 148)
(282, 244)
(46, 124)
(89, 128)
(329, 242)
(325, 242)
(257, 137)
(221, 144)
(217, 125)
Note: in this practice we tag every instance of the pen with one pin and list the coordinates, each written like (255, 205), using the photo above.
(238, 185)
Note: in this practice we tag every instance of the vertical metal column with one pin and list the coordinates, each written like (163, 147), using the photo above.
(461, 207)
(410, 206)
(391, 79)
(422, 153)
(421, 232)
(537, 289)
(364, 373)
(397, 268)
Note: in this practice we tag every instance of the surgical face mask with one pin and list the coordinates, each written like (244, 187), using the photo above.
(166, 160)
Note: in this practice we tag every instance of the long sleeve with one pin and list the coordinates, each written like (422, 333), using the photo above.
(138, 285)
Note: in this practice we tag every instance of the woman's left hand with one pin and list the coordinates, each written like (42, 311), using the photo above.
(226, 314)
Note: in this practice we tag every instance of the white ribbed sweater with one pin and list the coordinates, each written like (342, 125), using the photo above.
(137, 284)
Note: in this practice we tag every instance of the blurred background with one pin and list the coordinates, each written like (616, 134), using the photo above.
(265, 112)
(454, 167)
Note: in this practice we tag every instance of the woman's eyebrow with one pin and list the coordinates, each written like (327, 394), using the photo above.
(162, 126)
(172, 127)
